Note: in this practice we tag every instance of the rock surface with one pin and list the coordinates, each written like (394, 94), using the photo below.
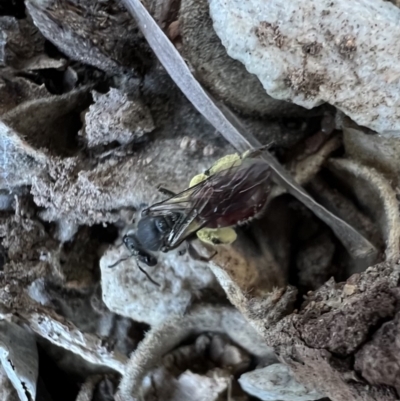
(276, 382)
(320, 51)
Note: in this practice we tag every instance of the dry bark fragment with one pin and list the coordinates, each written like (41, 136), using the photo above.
(319, 342)
(264, 302)
(32, 253)
(378, 361)
(62, 333)
(115, 117)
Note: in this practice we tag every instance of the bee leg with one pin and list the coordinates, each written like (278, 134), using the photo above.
(147, 275)
(196, 256)
(165, 191)
(119, 261)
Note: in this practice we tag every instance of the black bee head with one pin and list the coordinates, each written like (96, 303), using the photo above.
(134, 246)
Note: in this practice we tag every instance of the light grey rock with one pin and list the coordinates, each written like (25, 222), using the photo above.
(19, 357)
(224, 77)
(7, 391)
(276, 382)
(128, 292)
(343, 53)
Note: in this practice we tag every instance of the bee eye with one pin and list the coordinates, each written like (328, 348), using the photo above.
(131, 243)
(127, 241)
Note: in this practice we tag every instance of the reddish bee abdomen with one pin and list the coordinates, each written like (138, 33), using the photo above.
(237, 196)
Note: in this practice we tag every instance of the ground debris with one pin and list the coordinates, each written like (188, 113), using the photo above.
(91, 124)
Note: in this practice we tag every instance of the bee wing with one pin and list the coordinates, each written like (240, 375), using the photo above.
(181, 202)
(222, 194)
(189, 204)
(239, 194)
(190, 198)
(187, 225)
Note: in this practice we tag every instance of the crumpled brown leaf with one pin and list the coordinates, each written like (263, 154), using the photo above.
(98, 34)
(37, 121)
(22, 46)
(15, 90)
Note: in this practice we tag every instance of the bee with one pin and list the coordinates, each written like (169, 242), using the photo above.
(231, 193)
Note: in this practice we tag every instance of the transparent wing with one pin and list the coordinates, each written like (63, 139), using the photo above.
(188, 199)
(223, 199)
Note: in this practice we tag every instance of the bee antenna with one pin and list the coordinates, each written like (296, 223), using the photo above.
(119, 261)
(269, 144)
(147, 275)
